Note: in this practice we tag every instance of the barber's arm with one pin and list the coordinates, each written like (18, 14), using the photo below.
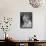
(10, 37)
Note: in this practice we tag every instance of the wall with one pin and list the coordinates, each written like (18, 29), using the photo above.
(12, 8)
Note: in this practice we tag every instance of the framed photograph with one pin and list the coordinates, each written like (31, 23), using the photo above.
(25, 19)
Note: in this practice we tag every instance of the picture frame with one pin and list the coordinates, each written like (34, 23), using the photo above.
(25, 19)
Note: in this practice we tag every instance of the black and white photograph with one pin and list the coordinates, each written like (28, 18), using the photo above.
(25, 19)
